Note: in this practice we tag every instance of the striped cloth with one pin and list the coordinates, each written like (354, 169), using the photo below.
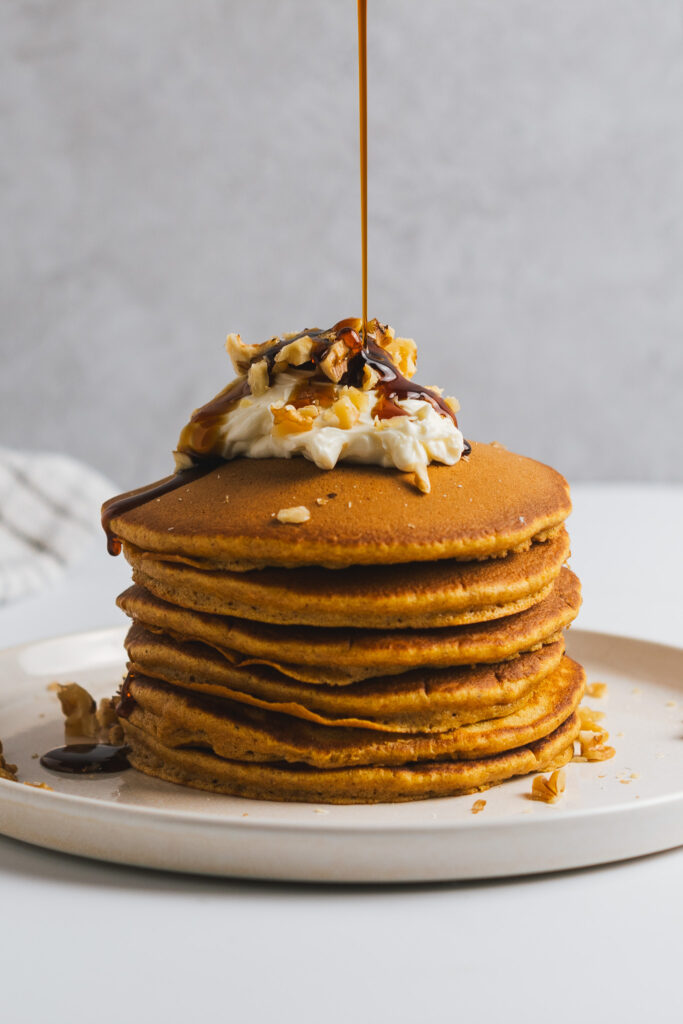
(49, 513)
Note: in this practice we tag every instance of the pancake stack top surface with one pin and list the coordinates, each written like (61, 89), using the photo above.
(382, 643)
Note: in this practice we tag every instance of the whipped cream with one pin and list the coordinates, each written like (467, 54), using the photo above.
(293, 412)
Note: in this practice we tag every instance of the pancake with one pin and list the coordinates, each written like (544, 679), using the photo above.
(431, 700)
(243, 733)
(366, 785)
(432, 594)
(365, 652)
(489, 503)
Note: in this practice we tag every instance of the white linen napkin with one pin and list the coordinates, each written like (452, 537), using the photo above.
(49, 512)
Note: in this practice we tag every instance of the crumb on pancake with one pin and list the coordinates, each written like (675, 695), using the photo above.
(548, 790)
(295, 514)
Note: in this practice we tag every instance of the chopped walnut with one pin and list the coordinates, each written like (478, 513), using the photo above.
(590, 719)
(289, 420)
(7, 771)
(550, 789)
(295, 514)
(593, 746)
(79, 710)
(370, 378)
(478, 806)
(336, 360)
(403, 352)
(343, 413)
(84, 719)
(242, 355)
(257, 378)
(358, 397)
(453, 404)
(109, 728)
(294, 354)
(596, 690)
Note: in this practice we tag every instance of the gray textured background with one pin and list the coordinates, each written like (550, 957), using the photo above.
(173, 170)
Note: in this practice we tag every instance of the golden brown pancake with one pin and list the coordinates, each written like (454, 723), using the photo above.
(396, 645)
(489, 503)
(445, 593)
(365, 785)
(243, 733)
(429, 700)
(366, 652)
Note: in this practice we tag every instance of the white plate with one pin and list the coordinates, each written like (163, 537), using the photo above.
(611, 810)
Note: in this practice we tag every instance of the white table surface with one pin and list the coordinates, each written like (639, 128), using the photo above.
(116, 944)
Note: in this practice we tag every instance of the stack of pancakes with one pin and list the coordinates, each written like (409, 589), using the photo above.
(394, 646)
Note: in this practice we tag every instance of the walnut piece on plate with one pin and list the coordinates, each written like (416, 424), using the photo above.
(7, 771)
(550, 789)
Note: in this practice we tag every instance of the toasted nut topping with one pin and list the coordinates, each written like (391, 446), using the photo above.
(593, 746)
(294, 354)
(596, 690)
(343, 413)
(243, 355)
(478, 806)
(359, 398)
(258, 378)
(295, 514)
(7, 771)
(452, 403)
(403, 352)
(288, 420)
(590, 719)
(335, 362)
(550, 789)
(370, 378)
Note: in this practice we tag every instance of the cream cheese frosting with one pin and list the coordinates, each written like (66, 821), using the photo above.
(280, 410)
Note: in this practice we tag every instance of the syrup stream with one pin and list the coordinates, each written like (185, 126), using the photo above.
(363, 125)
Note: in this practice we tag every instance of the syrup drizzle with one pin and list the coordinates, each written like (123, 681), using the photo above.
(133, 499)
